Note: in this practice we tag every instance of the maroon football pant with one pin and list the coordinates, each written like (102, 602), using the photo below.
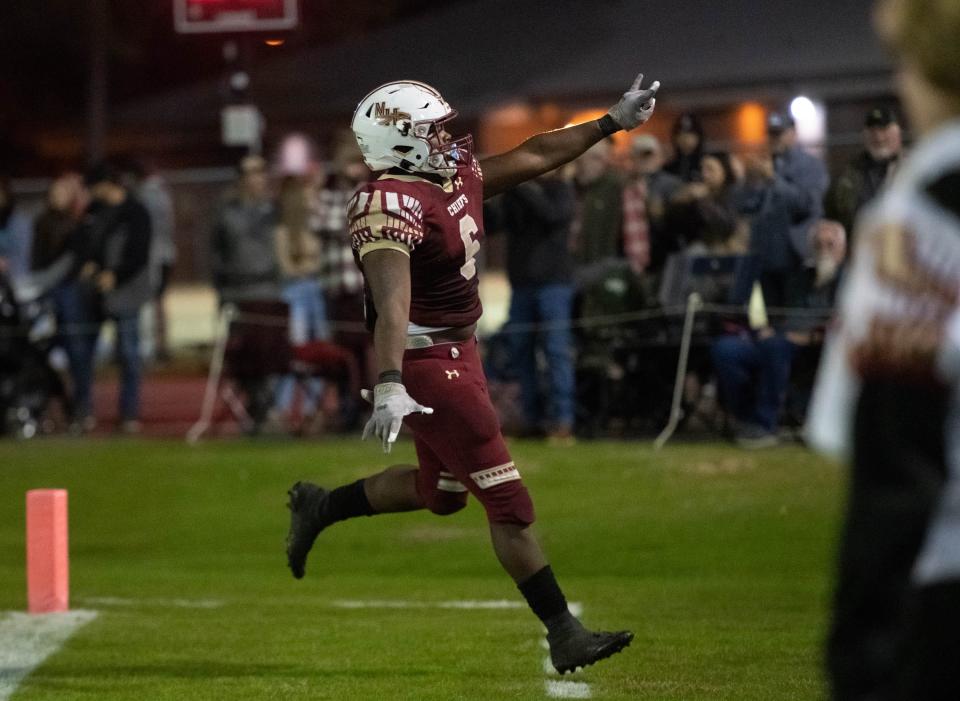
(459, 446)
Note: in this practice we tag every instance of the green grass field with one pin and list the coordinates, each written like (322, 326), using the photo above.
(719, 560)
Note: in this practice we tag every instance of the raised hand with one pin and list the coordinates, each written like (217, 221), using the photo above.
(636, 106)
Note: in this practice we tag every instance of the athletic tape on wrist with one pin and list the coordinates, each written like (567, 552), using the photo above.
(608, 125)
(390, 376)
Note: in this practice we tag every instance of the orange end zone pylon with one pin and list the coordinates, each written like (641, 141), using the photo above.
(48, 564)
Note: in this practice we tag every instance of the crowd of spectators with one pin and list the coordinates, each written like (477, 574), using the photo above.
(604, 228)
(627, 224)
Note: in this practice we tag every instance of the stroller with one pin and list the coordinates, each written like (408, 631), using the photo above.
(28, 383)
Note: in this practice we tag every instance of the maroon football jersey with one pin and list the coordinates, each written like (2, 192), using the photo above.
(439, 227)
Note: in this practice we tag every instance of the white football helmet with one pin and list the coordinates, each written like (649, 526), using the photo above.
(400, 125)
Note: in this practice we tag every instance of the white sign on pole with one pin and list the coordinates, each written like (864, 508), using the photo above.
(241, 125)
(201, 16)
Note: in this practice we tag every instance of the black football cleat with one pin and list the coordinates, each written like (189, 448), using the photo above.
(581, 647)
(307, 519)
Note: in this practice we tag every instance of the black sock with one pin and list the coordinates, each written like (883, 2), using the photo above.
(348, 501)
(547, 601)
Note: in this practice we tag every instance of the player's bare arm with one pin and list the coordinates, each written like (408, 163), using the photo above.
(387, 272)
(544, 152)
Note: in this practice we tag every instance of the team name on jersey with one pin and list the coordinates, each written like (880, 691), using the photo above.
(458, 205)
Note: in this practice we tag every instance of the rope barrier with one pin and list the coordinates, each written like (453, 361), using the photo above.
(598, 321)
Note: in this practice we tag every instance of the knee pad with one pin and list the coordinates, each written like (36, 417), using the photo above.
(508, 503)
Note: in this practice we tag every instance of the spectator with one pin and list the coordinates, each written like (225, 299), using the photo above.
(646, 194)
(61, 242)
(152, 190)
(15, 234)
(687, 139)
(536, 218)
(595, 232)
(340, 278)
(299, 258)
(55, 226)
(243, 256)
(753, 368)
(782, 194)
(116, 261)
(866, 174)
(702, 217)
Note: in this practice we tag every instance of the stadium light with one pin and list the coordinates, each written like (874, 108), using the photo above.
(811, 119)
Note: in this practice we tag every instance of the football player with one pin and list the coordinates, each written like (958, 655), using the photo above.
(887, 394)
(416, 231)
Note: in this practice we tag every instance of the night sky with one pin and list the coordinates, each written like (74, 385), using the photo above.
(44, 54)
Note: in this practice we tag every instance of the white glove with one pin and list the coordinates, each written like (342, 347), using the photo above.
(390, 404)
(636, 105)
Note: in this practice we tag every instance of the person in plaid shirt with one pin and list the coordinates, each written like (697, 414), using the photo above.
(340, 278)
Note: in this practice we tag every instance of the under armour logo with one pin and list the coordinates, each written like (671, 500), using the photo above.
(458, 182)
(452, 373)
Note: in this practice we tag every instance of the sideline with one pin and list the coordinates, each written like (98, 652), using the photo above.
(26, 640)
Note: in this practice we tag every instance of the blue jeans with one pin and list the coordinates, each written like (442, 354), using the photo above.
(552, 306)
(78, 327)
(308, 322)
(752, 376)
(128, 349)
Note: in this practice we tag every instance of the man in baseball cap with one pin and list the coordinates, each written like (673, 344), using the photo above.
(869, 171)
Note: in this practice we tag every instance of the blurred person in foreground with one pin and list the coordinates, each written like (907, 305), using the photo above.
(753, 366)
(782, 194)
(647, 192)
(536, 218)
(244, 252)
(16, 234)
(416, 231)
(887, 394)
(115, 257)
(862, 178)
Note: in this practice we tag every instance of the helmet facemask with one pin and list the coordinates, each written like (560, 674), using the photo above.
(445, 154)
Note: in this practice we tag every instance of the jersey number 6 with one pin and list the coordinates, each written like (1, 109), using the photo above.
(468, 227)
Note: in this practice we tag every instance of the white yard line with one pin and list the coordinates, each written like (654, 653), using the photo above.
(566, 690)
(561, 688)
(554, 688)
(402, 604)
(120, 602)
(26, 640)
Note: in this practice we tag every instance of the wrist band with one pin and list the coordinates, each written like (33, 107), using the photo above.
(608, 126)
(390, 376)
